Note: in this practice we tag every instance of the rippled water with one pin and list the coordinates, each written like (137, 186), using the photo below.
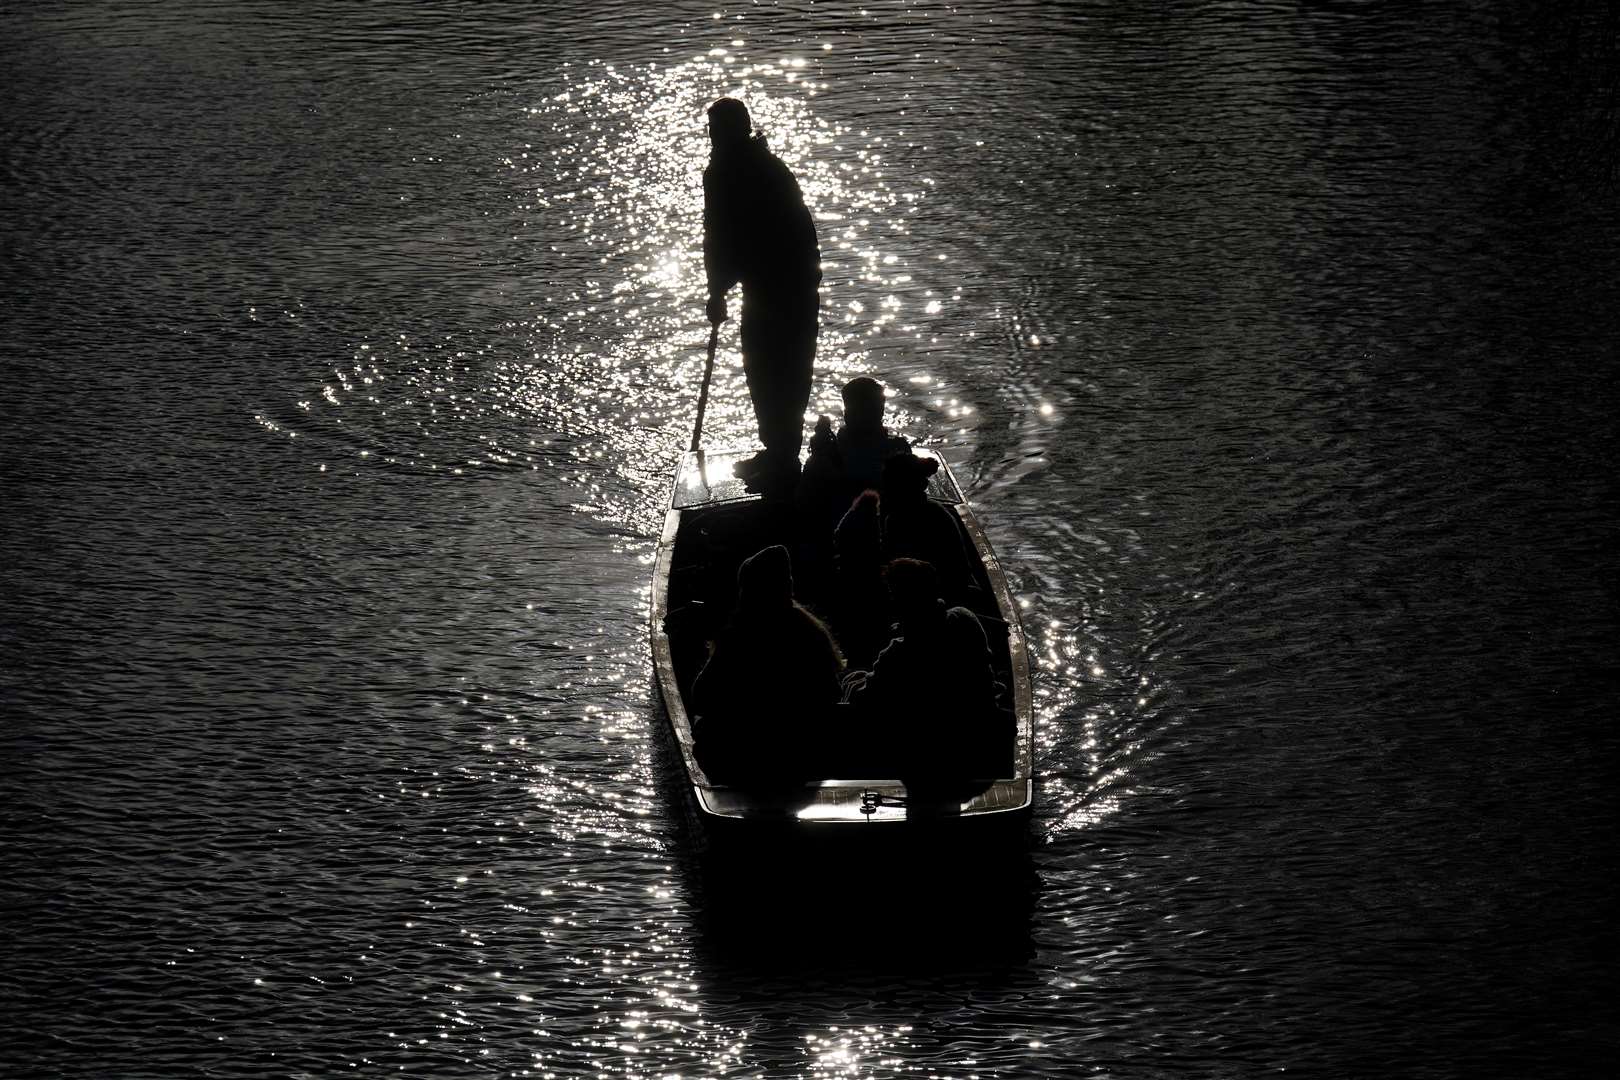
(348, 354)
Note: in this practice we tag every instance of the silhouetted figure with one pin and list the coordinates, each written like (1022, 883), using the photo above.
(916, 527)
(864, 444)
(819, 501)
(823, 494)
(758, 232)
(762, 703)
(861, 611)
(931, 695)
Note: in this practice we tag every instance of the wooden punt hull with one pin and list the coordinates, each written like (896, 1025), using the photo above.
(707, 499)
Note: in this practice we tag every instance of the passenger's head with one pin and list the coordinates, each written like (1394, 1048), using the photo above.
(765, 582)
(864, 506)
(914, 586)
(821, 439)
(863, 403)
(905, 479)
(728, 122)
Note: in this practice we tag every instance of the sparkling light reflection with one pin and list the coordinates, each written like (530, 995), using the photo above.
(614, 355)
(596, 380)
(590, 373)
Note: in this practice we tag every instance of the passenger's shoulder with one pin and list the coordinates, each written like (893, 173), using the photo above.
(777, 169)
(806, 622)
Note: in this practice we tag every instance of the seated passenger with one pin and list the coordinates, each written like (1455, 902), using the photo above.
(822, 496)
(916, 527)
(864, 444)
(861, 614)
(931, 694)
(769, 685)
(824, 468)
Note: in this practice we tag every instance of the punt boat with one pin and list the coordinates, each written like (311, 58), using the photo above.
(713, 523)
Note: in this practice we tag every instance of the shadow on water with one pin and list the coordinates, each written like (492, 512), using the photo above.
(841, 952)
(862, 900)
(848, 906)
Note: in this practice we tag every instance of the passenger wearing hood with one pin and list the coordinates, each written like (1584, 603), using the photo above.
(762, 702)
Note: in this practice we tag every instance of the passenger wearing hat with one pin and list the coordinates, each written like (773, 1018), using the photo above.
(916, 527)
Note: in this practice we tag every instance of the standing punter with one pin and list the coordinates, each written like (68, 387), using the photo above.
(757, 231)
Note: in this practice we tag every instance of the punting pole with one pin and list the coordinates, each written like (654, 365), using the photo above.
(703, 393)
(703, 404)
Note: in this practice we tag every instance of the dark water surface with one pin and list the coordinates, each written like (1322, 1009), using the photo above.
(348, 350)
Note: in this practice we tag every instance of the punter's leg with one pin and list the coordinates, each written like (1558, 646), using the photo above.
(779, 351)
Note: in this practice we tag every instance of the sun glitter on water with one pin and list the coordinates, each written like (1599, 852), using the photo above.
(613, 355)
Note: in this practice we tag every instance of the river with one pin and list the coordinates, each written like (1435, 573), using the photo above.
(349, 350)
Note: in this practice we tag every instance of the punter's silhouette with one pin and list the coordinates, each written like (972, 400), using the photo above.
(762, 702)
(930, 700)
(757, 232)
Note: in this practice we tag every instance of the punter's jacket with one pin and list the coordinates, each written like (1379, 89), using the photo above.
(756, 228)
